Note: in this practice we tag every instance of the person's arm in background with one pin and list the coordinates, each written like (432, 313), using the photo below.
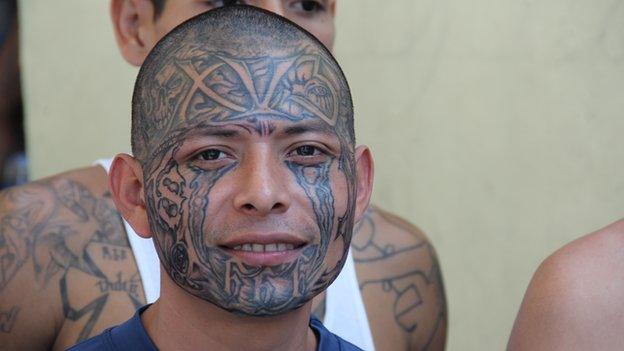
(401, 283)
(66, 268)
(574, 301)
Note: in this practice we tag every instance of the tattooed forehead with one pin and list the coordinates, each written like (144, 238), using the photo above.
(198, 85)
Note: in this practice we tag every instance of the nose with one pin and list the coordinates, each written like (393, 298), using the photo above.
(262, 189)
(275, 6)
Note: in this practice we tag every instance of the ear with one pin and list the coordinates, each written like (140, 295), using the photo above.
(364, 180)
(332, 8)
(126, 183)
(135, 32)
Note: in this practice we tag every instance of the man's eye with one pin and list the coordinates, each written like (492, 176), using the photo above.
(220, 3)
(211, 155)
(215, 3)
(307, 150)
(308, 6)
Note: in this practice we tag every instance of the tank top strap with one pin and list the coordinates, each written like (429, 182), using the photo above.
(345, 314)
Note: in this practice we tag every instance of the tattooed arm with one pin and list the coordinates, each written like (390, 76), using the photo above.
(401, 283)
(24, 302)
(66, 268)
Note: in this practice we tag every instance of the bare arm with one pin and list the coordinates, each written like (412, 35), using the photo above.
(401, 283)
(574, 301)
(67, 270)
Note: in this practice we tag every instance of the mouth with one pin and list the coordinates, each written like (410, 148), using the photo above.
(254, 247)
(264, 249)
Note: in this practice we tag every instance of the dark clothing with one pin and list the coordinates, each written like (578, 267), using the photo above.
(131, 336)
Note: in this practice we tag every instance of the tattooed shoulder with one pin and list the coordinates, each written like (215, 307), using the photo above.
(401, 283)
(64, 257)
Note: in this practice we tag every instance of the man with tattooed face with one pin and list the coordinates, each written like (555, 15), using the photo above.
(71, 267)
(246, 175)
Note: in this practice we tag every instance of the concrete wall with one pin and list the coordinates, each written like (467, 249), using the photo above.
(496, 125)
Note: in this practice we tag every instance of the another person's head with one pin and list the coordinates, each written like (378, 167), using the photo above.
(139, 24)
(245, 170)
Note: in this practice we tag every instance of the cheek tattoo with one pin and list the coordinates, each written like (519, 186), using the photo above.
(207, 73)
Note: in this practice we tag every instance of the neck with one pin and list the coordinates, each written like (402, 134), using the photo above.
(181, 321)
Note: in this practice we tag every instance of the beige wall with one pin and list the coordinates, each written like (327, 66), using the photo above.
(76, 86)
(496, 125)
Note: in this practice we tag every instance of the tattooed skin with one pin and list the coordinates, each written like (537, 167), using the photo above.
(407, 274)
(41, 230)
(8, 318)
(193, 84)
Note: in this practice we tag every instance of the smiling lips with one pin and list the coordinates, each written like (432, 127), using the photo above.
(264, 249)
(275, 247)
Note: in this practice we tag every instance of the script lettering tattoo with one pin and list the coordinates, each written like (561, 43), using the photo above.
(418, 291)
(106, 240)
(114, 253)
(66, 234)
(196, 88)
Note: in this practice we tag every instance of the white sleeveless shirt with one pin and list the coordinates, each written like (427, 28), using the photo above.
(345, 315)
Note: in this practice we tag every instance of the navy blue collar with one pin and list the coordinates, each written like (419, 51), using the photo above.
(131, 335)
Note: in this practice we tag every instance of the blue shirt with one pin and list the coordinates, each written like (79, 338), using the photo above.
(131, 336)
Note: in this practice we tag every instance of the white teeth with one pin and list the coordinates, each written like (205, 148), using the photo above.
(264, 248)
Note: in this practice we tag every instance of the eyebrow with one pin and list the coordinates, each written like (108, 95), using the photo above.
(216, 130)
(313, 127)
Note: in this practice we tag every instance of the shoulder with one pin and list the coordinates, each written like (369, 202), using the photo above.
(41, 214)
(400, 280)
(49, 190)
(52, 235)
(28, 229)
(35, 217)
(574, 300)
(67, 199)
(390, 235)
(386, 244)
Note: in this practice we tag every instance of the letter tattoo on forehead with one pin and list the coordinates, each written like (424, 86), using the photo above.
(241, 66)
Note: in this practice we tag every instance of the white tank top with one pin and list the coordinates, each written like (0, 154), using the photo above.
(345, 315)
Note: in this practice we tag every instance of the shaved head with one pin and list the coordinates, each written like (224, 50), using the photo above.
(232, 63)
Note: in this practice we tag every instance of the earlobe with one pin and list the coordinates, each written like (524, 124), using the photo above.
(132, 23)
(364, 180)
(126, 184)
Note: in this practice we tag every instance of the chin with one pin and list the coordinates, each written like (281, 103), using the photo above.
(273, 308)
(251, 290)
